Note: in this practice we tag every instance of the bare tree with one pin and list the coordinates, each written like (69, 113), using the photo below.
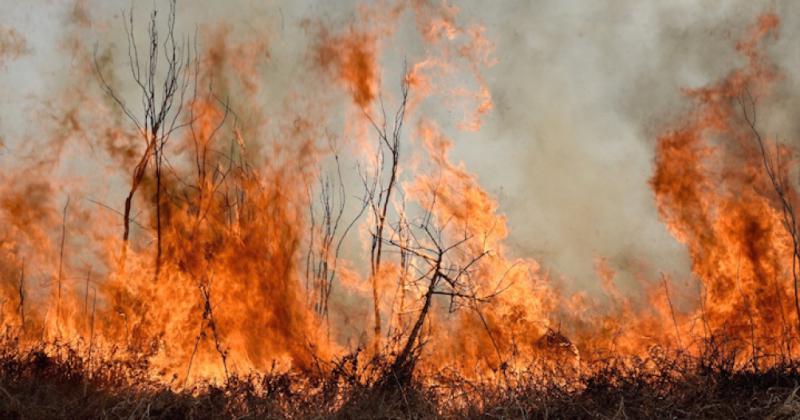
(441, 274)
(380, 190)
(169, 100)
(162, 99)
(442, 258)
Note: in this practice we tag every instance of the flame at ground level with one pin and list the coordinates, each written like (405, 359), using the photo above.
(227, 271)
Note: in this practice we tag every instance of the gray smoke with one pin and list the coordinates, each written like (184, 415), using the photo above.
(581, 90)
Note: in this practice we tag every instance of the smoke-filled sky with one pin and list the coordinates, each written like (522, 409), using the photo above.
(581, 89)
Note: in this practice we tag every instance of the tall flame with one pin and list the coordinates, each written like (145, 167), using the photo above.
(231, 296)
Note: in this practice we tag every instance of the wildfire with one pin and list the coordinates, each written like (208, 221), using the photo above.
(247, 251)
(714, 195)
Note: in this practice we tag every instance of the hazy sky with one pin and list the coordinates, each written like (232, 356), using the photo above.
(581, 90)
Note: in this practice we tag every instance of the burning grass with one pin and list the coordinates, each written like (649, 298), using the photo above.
(223, 283)
(60, 381)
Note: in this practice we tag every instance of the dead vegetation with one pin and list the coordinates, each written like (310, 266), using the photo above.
(219, 222)
(59, 381)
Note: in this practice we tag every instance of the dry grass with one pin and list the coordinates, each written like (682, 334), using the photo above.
(59, 383)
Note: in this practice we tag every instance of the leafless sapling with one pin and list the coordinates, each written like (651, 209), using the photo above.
(380, 190)
(162, 100)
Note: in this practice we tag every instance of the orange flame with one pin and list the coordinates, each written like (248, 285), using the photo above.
(230, 297)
